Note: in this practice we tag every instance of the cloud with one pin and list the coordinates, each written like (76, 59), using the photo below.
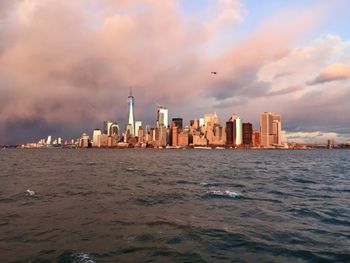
(65, 66)
(318, 137)
(333, 72)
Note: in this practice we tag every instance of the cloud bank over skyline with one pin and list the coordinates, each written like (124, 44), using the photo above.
(65, 66)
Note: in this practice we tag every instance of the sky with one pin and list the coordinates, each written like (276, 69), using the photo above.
(66, 66)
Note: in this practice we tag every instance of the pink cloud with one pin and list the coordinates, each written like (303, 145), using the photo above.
(334, 72)
(71, 61)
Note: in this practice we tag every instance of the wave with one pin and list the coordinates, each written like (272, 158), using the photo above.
(74, 257)
(226, 193)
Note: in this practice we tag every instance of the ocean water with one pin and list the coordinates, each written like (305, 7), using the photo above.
(149, 205)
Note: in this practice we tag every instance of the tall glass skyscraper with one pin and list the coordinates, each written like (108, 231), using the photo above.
(162, 116)
(131, 119)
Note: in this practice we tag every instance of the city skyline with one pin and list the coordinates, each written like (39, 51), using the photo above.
(65, 77)
(206, 131)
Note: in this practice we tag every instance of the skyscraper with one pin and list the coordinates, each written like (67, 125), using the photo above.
(239, 133)
(211, 119)
(234, 134)
(229, 133)
(138, 124)
(131, 118)
(270, 129)
(247, 134)
(178, 122)
(162, 116)
(107, 127)
(95, 138)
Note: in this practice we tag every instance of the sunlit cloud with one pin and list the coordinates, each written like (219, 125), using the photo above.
(65, 66)
(333, 72)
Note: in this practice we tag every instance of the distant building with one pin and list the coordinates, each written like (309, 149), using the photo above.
(138, 124)
(183, 139)
(162, 116)
(199, 140)
(230, 130)
(256, 139)
(130, 131)
(162, 139)
(247, 134)
(95, 137)
(234, 133)
(270, 129)
(107, 127)
(174, 136)
(178, 122)
(211, 119)
(140, 135)
(84, 141)
(131, 116)
(219, 135)
(201, 122)
(115, 131)
(239, 132)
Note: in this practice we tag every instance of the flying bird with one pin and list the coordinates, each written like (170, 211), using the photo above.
(214, 72)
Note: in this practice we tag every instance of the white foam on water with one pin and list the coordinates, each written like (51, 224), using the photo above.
(82, 258)
(30, 192)
(225, 193)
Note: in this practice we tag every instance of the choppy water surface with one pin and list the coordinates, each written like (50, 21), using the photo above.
(174, 206)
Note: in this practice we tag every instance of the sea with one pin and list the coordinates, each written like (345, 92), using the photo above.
(167, 205)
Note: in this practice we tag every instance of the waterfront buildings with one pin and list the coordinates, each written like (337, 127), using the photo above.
(205, 131)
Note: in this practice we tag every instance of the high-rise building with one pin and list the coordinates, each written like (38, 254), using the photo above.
(239, 133)
(114, 130)
(162, 116)
(247, 134)
(178, 122)
(265, 128)
(201, 122)
(162, 137)
(140, 135)
(174, 136)
(183, 139)
(229, 133)
(234, 133)
(111, 128)
(95, 137)
(138, 124)
(270, 129)
(277, 129)
(256, 139)
(84, 141)
(131, 117)
(106, 127)
(211, 119)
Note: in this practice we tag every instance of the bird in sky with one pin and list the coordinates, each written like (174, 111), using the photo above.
(214, 72)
